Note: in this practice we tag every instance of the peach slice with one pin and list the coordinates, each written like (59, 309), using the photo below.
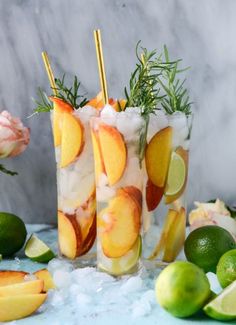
(22, 288)
(185, 155)
(157, 156)
(91, 236)
(16, 307)
(11, 277)
(113, 151)
(134, 193)
(175, 237)
(72, 139)
(98, 162)
(153, 195)
(119, 225)
(169, 219)
(45, 275)
(69, 235)
(59, 108)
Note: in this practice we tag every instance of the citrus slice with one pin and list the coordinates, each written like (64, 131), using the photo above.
(223, 307)
(176, 175)
(120, 265)
(37, 250)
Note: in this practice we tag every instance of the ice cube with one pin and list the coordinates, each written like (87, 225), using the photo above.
(59, 264)
(178, 120)
(103, 180)
(129, 125)
(30, 277)
(131, 285)
(160, 119)
(61, 278)
(83, 299)
(85, 113)
(141, 308)
(133, 110)
(74, 289)
(186, 144)
(58, 298)
(83, 274)
(108, 115)
(104, 193)
(149, 296)
(214, 283)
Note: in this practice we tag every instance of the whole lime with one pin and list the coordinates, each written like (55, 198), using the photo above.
(182, 289)
(205, 245)
(12, 234)
(226, 268)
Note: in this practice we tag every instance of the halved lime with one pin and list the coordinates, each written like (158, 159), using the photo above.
(223, 307)
(176, 175)
(37, 250)
(121, 265)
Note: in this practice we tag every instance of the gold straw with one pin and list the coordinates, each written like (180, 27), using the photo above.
(102, 74)
(49, 72)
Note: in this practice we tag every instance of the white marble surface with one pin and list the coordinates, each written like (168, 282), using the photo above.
(201, 32)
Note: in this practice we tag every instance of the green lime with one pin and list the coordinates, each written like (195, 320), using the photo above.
(37, 250)
(205, 245)
(12, 234)
(176, 175)
(120, 265)
(223, 306)
(182, 289)
(226, 268)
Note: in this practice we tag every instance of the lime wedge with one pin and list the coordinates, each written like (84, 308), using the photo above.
(120, 265)
(223, 307)
(37, 250)
(176, 175)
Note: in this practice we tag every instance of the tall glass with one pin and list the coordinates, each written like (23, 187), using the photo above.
(119, 183)
(166, 169)
(75, 182)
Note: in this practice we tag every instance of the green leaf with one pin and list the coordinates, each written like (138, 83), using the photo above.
(7, 171)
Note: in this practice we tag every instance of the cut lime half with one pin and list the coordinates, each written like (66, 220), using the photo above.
(176, 175)
(223, 307)
(37, 250)
(120, 265)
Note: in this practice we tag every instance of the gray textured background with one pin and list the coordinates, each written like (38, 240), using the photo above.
(201, 32)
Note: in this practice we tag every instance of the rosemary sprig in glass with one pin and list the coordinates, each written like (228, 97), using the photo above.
(67, 94)
(7, 171)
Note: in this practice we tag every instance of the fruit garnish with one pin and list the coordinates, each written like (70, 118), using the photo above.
(176, 175)
(37, 250)
(72, 139)
(12, 234)
(45, 275)
(226, 268)
(182, 289)
(20, 306)
(153, 195)
(157, 156)
(22, 288)
(121, 265)
(8, 277)
(205, 245)
(98, 161)
(111, 140)
(223, 306)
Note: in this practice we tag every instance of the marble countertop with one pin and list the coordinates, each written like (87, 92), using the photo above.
(67, 314)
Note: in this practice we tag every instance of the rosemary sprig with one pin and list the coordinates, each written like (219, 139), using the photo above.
(67, 94)
(176, 95)
(7, 171)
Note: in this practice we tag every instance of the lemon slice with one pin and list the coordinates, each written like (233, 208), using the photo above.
(223, 307)
(120, 265)
(176, 175)
(37, 250)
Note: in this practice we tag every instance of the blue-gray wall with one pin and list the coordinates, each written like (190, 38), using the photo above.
(201, 32)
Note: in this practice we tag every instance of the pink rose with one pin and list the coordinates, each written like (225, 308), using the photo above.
(14, 136)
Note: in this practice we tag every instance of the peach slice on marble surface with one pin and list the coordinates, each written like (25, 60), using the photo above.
(20, 306)
(45, 275)
(175, 237)
(11, 277)
(59, 108)
(119, 225)
(72, 139)
(22, 288)
(184, 154)
(157, 156)
(69, 235)
(98, 162)
(154, 195)
(113, 152)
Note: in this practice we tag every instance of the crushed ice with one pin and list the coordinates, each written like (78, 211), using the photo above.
(85, 287)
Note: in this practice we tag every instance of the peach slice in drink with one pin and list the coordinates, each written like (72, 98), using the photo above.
(157, 156)
(119, 225)
(154, 195)
(114, 152)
